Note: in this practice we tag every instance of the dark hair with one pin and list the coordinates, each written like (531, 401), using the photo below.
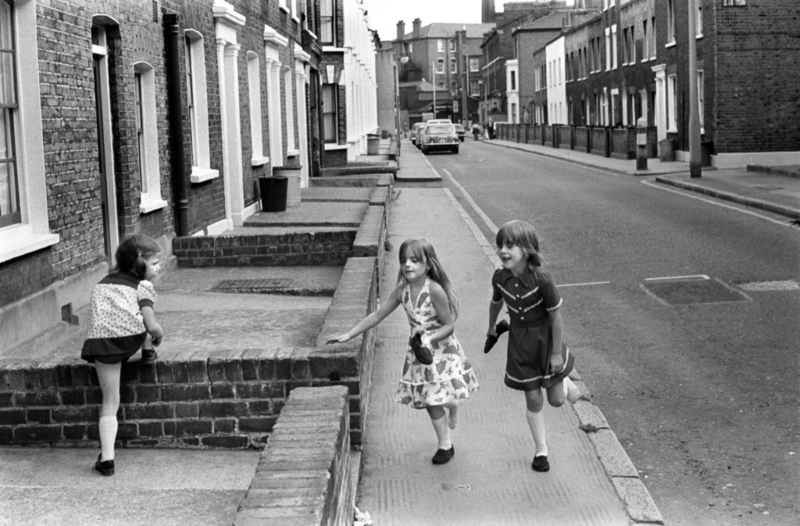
(423, 250)
(523, 235)
(132, 253)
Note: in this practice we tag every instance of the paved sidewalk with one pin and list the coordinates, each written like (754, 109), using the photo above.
(490, 480)
(774, 189)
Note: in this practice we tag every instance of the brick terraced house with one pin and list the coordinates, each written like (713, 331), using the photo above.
(154, 117)
(631, 61)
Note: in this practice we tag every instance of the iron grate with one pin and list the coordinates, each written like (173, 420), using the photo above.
(252, 285)
(690, 292)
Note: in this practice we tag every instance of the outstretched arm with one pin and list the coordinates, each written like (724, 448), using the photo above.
(152, 326)
(370, 321)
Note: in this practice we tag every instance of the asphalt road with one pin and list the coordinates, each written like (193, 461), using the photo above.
(698, 376)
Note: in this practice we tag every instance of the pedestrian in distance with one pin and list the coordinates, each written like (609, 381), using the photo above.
(537, 357)
(490, 129)
(437, 376)
(476, 131)
(121, 322)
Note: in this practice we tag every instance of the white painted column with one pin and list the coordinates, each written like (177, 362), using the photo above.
(224, 124)
(234, 139)
(302, 131)
(660, 111)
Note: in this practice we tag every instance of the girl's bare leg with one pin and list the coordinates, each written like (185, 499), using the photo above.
(108, 374)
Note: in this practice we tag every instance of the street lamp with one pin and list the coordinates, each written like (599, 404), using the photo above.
(433, 69)
(485, 110)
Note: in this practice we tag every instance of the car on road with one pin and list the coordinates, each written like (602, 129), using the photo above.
(439, 137)
(414, 135)
(460, 131)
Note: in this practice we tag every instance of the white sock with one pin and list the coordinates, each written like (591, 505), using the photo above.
(536, 423)
(571, 391)
(442, 433)
(108, 435)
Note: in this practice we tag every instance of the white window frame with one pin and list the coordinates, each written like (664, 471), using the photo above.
(33, 232)
(452, 45)
(295, 11)
(453, 65)
(698, 21)
(653, 49)
(672, 106)
(670, 23)
(608, 49)
(198, 107)
(439, 66)
(149, 158)
(645, 42)
(288, 85)
(614, 46)
(256, 128)
(477, 64)
(632, 45)
(440, 46)
(283, 5)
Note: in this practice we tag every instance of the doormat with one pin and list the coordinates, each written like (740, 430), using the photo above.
(253, 286)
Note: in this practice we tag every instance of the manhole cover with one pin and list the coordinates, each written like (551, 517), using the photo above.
(456, 487)
(252, 285)
(688, 292)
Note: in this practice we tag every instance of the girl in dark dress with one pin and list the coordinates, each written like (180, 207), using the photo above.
(537, 357)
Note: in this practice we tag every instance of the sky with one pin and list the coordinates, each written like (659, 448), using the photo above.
(384, 14)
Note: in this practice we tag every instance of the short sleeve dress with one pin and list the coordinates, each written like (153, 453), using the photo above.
(529, 299)
(450, 377)
(116, 326)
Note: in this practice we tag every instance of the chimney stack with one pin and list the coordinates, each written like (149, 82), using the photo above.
(401, 30)
(417, 25)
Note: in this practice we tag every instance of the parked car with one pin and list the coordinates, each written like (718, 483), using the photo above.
(439, 121)
(414, 135)
(460, 131)
(439, 137)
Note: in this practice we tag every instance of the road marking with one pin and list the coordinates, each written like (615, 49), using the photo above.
(765, 286)
(472, 203)
(584, 284)
(723, 205)
(696, 276)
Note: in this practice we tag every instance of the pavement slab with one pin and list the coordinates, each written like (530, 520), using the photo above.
(489, 481)
(154, 487)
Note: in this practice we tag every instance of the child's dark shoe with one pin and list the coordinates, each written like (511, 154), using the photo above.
(443, 456)
(106, 468)
(148, 356)
(540, 464)
(499, 329)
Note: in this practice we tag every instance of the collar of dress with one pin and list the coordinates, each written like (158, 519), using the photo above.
(527, 277)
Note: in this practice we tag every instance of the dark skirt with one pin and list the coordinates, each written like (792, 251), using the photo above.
(528, 363)
(112, 350)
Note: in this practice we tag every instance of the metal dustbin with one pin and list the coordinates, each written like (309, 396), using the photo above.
(273, 193)
(373, 144)
(666, 150)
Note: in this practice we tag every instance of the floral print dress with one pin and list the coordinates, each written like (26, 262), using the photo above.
(450, 377)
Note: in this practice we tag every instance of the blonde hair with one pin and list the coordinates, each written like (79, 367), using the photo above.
(423, 250)
(521, 234)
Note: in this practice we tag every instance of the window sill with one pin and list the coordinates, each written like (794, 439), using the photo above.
(296, 18)
(698, 37)
(670, 44)
(19, 240)
(259, 161)
(291, 152)
(201, 175)
(333, 146)
(333, 49)
(151, 204)
(284, 9)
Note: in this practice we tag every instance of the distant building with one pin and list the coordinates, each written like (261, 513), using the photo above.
(440, 59)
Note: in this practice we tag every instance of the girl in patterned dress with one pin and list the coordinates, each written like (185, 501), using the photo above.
(120, 321)
(537, 357)
(424, 292)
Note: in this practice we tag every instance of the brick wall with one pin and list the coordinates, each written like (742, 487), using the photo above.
(224, 398)
(311, 248)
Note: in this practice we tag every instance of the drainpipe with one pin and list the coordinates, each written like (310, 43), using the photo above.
(171, 32)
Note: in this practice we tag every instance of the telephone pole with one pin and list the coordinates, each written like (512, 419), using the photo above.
(695, 163)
